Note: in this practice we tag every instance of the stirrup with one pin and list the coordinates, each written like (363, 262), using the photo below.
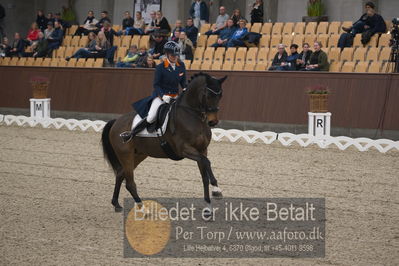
(126, 136)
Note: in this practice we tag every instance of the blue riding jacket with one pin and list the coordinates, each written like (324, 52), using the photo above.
(166, 81)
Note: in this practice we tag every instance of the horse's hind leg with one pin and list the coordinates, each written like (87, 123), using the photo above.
(118, 183)
(128, 173)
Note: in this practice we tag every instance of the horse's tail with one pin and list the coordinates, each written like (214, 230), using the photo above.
(109, 153)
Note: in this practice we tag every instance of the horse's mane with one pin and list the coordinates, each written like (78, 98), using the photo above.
(200, 74)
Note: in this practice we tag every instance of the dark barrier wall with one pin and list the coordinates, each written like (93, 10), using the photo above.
(357, 100)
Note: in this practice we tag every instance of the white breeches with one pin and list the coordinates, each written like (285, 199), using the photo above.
(152, 113)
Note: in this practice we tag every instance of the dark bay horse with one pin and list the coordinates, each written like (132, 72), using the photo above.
(188, 133)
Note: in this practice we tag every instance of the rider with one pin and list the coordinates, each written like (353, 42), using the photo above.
(168, 75)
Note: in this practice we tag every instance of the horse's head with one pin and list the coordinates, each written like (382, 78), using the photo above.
(208, 94)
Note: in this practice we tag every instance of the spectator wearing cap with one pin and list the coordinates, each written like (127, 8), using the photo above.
(304, 57)
(369, 24)
(199, 12)
(235, 40)
(17, 46)
(220, 22)
(41, 20)
(191, 31)
(186, 47)
(318, 60)
(89, 25)
(290, 63)
(130, 58)
(225, 34)
(55, 38)
(104, 18)
(279, 58)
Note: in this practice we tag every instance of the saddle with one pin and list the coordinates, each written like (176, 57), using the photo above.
(162, 112)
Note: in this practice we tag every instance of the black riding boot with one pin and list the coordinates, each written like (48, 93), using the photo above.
(128, 135)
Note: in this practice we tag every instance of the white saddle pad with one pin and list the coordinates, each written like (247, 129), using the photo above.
(145, 133)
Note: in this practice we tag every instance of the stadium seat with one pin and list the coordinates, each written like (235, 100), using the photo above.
(30, 61)
(21, 62)
(288, 28)
(206, 65)
(348, 67)
(187, 63)
(333, 40)
(68, 52)
(198, 54)
(311, 28)
(227, 66)
(372, 54)
(238, 66)
(276, 40)
(75, 41)
(385, 54)
(373, 41)
(116, 27)
(99, 62)
(117, 41)
(211, 40)
(196, 65)
(322, 28)
(264, 41)
(83, 41)
(277, 28)
(126, 41)
(230, 54)
(219, 54)
(204, 28)
(266, 28)
(46, 62)
(145, 42)
(262, 55)
(251, 55)
(81, 62)
(5, 61)
(62, 62)
(375, 67)
(135, 41)
(298, 39)
(334, 54)
(72, 29)
(335, 66)
(384, 40)
(241, 55)
(248, 26)
(334, 27)
(299, 28)
(121, 53)
(360, 54)
(72, 62)
(346, 24)
(323, 38)
(201, 42)
(216, 66)
(362, 67)
(208, 54)
(13, 61)
(89, 62)
(256, 27)
(38, 62)
(60, 52)
(261, 66)
(249, 67)
(310, 39)
(347, 54)
(54, 62)
(271, 55)
(67, 41)
(386, 67)
(287, 40)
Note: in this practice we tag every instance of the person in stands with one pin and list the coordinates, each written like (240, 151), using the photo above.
(318, 60)
(55, 38)
(162, 24)
(41, 20)
(225, 34)
(186, 47)
(104, 18)
(279, 58)
(151, 25)
(33, 34)
(17, 46)
(159, 43)
(290, 63)
(138, 25)
(191, 31)
(179, 28)
(130, 59)
(221, 22)
(5, 47)
(127, 23)
(236, 17)
(49, 30)
(199, 11)
(39, 48)
(304, 57)
(257, 12)
(235, 40)
(89, 25)
(89, 50)
(109, 32)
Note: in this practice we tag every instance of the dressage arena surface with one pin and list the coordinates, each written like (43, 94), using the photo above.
(56, 191)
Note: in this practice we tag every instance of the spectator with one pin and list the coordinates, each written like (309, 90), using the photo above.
(162, 24)
(318, 60)
(220, 22)
(17, 47)
(151, 26)
(290, 63)
(304, 57)
(138, 26)
(49, 30)
(235, 40)
(39, 48)
(50, 17)
(55, 38)
(89, 50)
(236, 17)
(149, 63)
(257, 12)
(64, 25)
(178, 27)
(225, 34)
(5, 48)
(41, 20)
(104, 18)
(130, 59)
(199, 12)
(186, 47)
(142, 56)
(127, 22)
(175, 36)
(89, 25)
(369, 24)
(109, 32)
(102, 45)
(191, 31)
(160, 41)
(33, 34)
(280, 57)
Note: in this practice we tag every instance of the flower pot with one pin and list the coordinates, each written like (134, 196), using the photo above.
(314, 19)
(318, 103)
(40, 89)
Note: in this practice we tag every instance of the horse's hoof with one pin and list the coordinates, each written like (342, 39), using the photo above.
(217, 194)
(118, 209)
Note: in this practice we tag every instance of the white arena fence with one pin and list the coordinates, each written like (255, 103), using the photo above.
(218, 134)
